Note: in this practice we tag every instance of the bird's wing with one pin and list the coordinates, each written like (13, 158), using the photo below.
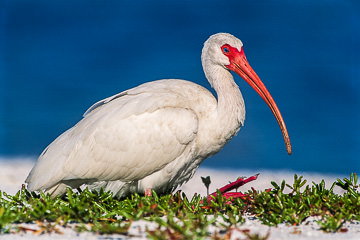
(126, 138)
(166, 91)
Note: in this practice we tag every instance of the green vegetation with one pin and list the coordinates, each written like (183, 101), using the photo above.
(177, 216)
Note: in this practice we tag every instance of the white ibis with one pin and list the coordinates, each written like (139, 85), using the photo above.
(154, 136)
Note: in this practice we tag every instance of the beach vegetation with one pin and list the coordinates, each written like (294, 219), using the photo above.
(177, 216)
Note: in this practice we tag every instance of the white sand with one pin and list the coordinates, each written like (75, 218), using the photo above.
(13, 173)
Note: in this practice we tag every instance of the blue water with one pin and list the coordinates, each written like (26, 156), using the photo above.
(59, 57)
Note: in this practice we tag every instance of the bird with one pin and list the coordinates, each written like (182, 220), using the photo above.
(153, 137)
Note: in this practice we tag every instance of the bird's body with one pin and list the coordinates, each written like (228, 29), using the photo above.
(153, 136)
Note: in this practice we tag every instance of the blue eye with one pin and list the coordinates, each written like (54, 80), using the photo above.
(226, 49)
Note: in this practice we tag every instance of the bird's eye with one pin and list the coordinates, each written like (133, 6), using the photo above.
(225, 49)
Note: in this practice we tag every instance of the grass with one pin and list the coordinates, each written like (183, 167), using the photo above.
(179, 217)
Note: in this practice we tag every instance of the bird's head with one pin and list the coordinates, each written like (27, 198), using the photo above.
(215, 46)
(226, 51)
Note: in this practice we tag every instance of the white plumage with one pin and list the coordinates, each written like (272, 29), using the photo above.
(153, 136)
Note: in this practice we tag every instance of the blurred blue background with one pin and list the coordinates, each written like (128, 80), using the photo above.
(59, 57)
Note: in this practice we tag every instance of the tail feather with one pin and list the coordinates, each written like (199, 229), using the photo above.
(59, 189)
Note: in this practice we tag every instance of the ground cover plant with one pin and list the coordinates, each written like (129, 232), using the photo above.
(179, 217)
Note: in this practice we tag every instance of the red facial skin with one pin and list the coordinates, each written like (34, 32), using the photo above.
(240, 65)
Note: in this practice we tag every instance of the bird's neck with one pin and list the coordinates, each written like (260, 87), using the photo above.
(230, 108)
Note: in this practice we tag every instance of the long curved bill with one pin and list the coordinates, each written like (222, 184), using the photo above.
(240, 65)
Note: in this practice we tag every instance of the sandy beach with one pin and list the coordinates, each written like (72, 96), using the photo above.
(13, 173)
